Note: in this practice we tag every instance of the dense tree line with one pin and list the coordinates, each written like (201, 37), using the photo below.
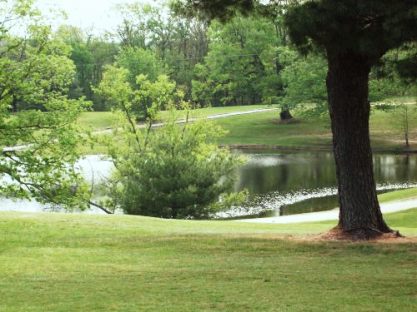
(246, 60)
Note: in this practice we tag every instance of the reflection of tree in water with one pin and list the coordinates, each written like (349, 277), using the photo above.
(395, 168)
(304, 171)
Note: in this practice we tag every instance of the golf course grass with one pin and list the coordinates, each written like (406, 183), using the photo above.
(73, 262)
(77, 262)
(264, 129)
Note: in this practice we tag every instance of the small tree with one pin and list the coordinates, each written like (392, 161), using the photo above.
(173, 172)
(179, 173)
(404, 116)
(389, 86)
(141, 101)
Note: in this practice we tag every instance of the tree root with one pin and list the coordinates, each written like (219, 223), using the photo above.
(360, 234)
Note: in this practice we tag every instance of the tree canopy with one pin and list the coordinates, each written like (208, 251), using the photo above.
(38, 136)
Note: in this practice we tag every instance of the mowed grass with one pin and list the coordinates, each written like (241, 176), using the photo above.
(103, 120)
(61, 262)
(405, 194)
(97, 120)
(313, 131)
(264, 128)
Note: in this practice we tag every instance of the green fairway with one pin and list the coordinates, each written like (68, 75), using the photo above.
(103, 120)
(265, 129)
(308, 132)
(60, 262)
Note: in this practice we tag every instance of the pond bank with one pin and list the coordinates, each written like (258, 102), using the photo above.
(312, 148)
(389, 207)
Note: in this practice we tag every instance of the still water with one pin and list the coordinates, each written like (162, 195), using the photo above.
(278, 183)
(291, 183)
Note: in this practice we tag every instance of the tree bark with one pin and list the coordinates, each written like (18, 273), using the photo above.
(347, 85)
(285, 114)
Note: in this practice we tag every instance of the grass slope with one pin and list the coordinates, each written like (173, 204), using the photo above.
(58, 262)
(264, 129)
(104, 120)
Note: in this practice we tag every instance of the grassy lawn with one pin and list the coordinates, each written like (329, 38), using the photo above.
(398, 195)
(104, 120)
(210, 111)
(264, 129)
(97, 120)
(59, 262)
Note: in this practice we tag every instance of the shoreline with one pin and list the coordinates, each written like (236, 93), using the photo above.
(323, 148)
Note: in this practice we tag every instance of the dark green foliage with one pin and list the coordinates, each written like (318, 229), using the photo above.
(368, 28)
(221, 9)
(407, 65)
(83, 59)
(177, 174)
(90, 55)
(239, 68)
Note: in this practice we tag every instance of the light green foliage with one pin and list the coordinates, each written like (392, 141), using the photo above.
(176, 41)
(140, 62)
(304, 80)
(140, 101)
(138, 22)
(37, 132)
(156, 96)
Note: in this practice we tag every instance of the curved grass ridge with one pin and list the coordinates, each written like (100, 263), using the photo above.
(66, 262)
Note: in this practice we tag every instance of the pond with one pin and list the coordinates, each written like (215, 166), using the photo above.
(291, 183)
(278, 183)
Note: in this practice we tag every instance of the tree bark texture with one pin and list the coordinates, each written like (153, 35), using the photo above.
(347, 85)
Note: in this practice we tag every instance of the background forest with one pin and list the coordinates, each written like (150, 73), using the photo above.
(248, 60)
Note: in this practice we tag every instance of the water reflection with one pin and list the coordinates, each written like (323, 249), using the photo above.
(281, 183)
(266, 173)
(290, 183)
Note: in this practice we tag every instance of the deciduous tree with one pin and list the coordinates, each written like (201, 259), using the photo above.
(38, 136)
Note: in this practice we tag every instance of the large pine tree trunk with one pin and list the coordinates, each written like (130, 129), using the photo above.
(347, 84)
